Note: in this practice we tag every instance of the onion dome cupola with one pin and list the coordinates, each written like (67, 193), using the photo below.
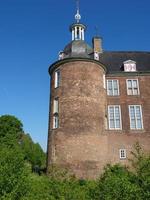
(77, 47)
(77, 28)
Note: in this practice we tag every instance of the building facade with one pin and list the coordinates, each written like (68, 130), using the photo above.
(99, 105)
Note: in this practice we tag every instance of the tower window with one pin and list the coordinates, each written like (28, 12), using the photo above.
(132, 87)
(56, 106)
(114, 117)
(55, 113)
(122, 153)
(112, 87)
(57, 78)
(135, 114)
(55, 121)
(104, 81)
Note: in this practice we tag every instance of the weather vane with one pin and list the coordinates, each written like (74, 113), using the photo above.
(77, 16)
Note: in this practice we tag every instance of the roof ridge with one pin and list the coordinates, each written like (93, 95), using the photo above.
(126, 52)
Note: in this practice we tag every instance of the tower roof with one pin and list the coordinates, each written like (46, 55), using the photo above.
(78, 48)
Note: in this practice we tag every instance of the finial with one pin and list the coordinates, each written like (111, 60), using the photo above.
(77, 16)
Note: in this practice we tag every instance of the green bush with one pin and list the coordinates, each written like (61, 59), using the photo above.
(116, 183)
(18, 154)
(13, 174)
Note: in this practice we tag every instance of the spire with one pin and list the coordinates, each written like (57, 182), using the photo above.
(77, 16)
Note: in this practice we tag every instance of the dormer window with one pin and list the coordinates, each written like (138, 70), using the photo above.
(61, 55)
(96, 55)
(129, 66)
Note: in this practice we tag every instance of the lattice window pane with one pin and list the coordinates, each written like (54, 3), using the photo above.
(135, 114)
(114, 115)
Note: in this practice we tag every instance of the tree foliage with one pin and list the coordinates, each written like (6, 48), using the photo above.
(141, 166)
(10, 130)
(33, 152)
(18, 182)
(13, 174)
(46, 188)
(14, 160)
(116, 183)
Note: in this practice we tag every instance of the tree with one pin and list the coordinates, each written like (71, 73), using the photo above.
(46, 188)
(116, 183)
(38, 157)
(12, 134)
(33, 152)
(141, 166)
(17, 150)
(122, 183)
(13, 174)
(10, 130)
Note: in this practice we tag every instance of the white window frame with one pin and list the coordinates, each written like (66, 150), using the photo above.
(55, 121)
(135, 117)
(113, 89)
(138, 91)
(96, 55)
(57, 78)
(104, 81)
(122, 154)
(56, 105)
(129, 66)
(115, 128)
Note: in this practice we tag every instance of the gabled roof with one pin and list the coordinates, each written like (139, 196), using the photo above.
(113, 60)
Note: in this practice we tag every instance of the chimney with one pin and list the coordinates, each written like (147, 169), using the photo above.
(97, 44)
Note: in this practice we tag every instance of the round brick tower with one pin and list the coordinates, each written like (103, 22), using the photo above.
(77, 106)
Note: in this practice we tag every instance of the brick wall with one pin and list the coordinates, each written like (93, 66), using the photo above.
(82, 142)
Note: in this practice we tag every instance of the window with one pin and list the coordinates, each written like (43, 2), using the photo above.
(132, 87)
(104, 81)
(55, 113)
(129, 66)
(61, 55)
(135, 114)
(114, 117)
(122, 153)
(112, 87)
(57, 78)
(96, 55)
(56, 105)
(55, 121)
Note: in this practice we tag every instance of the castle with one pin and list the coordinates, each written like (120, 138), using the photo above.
(99, 105)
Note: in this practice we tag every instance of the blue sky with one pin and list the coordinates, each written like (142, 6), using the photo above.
(32, 32)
